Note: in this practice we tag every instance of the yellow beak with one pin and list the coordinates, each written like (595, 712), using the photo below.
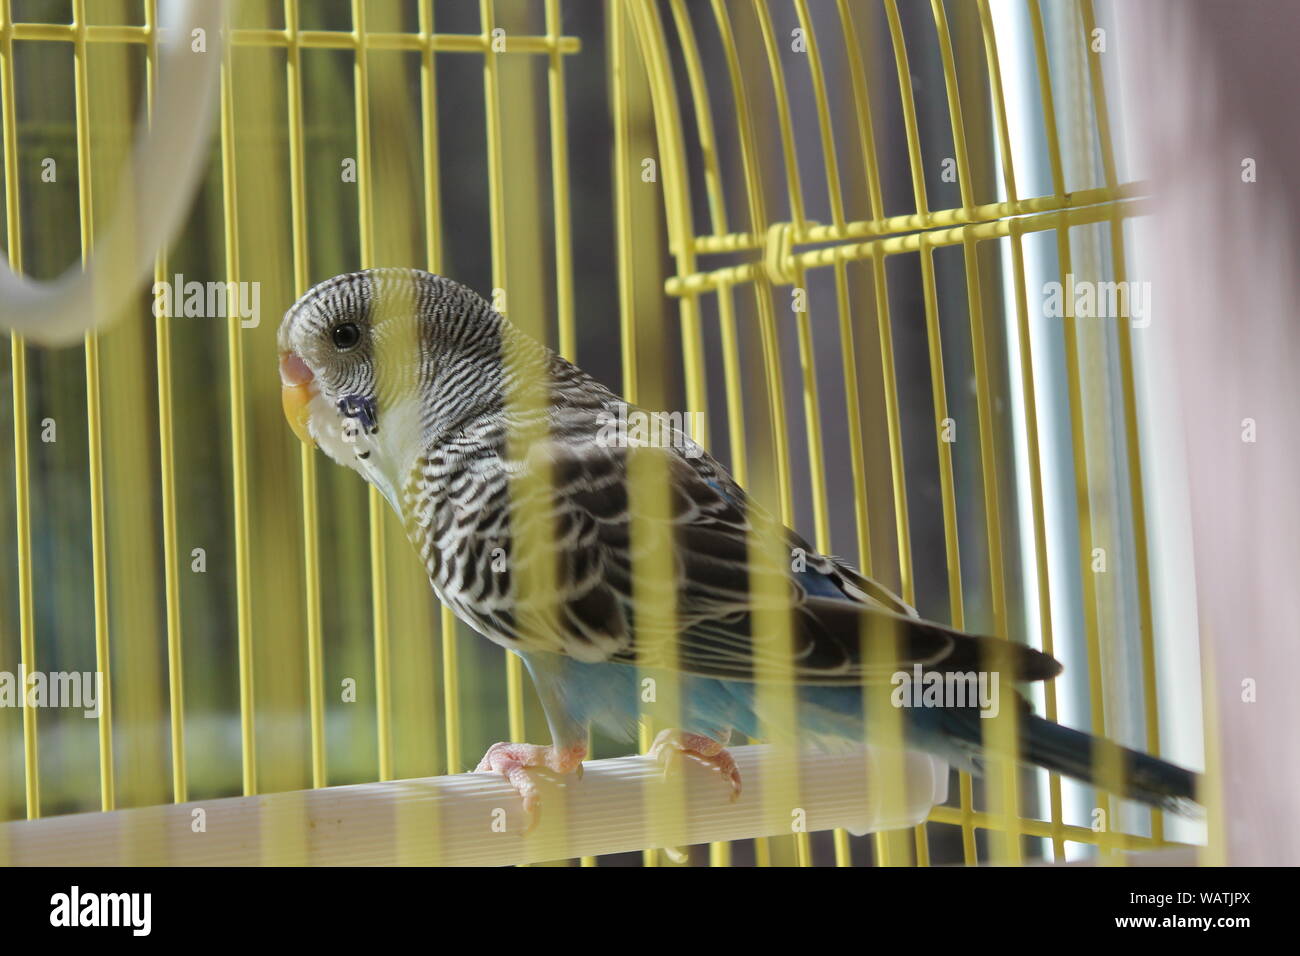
(296, 394)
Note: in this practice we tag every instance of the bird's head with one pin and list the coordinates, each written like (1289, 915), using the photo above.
(375, 363)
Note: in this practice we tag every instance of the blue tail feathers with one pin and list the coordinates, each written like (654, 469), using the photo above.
(1093, 760)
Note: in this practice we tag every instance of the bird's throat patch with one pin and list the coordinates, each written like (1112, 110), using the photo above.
(362, 409)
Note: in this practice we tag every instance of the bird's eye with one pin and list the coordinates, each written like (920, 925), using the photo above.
(345, 336)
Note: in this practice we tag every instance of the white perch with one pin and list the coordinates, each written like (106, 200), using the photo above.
(619, 805)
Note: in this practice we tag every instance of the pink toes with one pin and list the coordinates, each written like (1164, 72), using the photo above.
(706, 750)
(513, 761)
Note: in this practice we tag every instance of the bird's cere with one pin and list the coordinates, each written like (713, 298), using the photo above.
(294, 371)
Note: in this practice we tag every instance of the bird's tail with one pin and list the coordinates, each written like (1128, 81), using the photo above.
(1096, 761)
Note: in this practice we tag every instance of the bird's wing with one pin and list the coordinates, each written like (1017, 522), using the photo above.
(732, 573)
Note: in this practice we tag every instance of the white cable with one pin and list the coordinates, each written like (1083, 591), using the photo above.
(449, 821)
(157, 186)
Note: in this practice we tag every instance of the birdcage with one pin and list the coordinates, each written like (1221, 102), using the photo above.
(828, 228)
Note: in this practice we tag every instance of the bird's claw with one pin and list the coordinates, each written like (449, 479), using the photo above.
(671, 745)
(513, 761)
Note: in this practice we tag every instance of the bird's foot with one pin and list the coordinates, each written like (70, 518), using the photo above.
(669, 744)
(513, 761)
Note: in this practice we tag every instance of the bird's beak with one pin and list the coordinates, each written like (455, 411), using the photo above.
(296, 393)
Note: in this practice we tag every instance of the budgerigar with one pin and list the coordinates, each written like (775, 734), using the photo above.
(415, 382)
